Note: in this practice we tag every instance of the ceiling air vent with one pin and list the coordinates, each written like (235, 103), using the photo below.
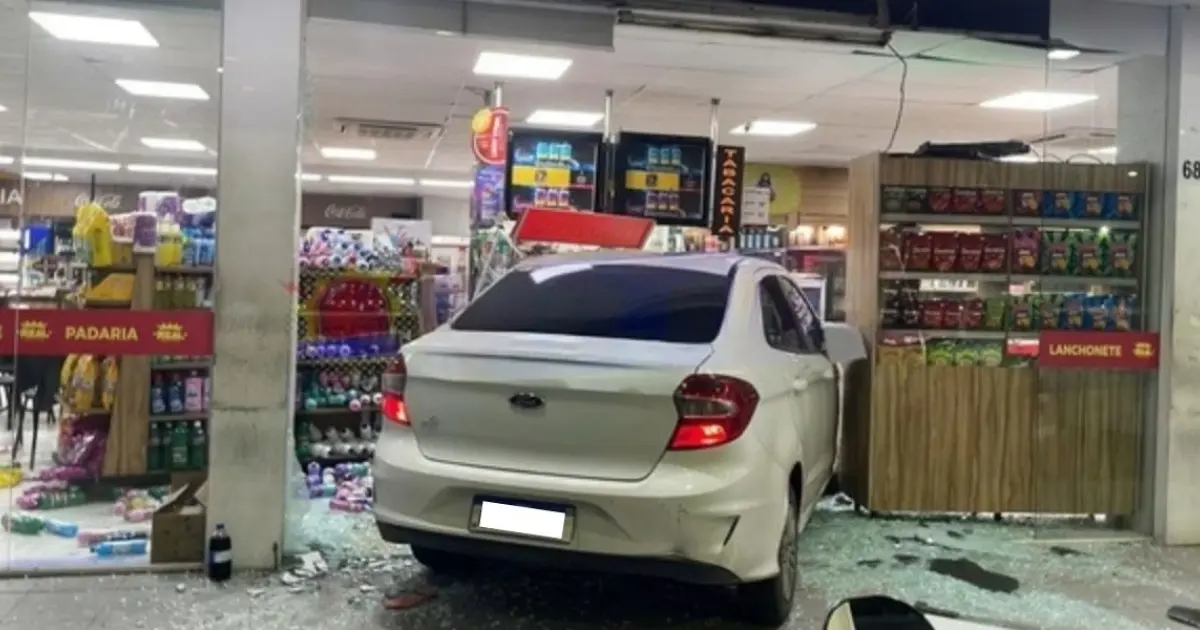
(389, 130)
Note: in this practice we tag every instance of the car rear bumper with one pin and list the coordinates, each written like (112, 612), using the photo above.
(699, 517)
(681, 570)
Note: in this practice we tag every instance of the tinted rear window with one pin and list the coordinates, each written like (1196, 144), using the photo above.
(611, 301)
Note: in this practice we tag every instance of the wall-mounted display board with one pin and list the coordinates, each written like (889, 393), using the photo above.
(665, 178)
(972, 278)
(551, 169)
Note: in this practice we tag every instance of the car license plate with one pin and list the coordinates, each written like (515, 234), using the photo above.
(534, 520)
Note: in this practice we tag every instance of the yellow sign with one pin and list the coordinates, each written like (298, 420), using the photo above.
(481, 122)
(642, 180)
(169, 333)
(541, 177)
(33, 331)
(101, 333)
(1143, 350)
(784, 183)
(1086, 350)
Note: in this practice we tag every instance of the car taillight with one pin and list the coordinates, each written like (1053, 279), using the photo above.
(392, 385)
(713, 410)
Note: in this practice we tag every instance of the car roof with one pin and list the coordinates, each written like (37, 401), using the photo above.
(714, 263)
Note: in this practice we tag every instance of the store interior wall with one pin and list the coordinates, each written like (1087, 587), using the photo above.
(450, 216)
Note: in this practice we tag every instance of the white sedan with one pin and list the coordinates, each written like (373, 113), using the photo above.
(672, 416)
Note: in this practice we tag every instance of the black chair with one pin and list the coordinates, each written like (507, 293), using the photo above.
(39, 379)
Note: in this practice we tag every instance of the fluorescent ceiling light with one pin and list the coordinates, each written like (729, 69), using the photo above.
(310, 177)
(82, 165)
(163, 89)
(4, 159)
(171, 170)
(172, 144)
(94, 30)
(346, 153)
(493, 64)
(1062, 54)
(1038, 101)
(1103, 151)
(777, 128)
(41, 176)
(360, 179)
(1022, 159)
(447, 183)
(564, 118)
(3, 108)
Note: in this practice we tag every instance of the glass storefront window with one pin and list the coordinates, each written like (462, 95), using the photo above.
(108, 138)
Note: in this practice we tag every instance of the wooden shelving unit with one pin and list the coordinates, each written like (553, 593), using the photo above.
(979, 437)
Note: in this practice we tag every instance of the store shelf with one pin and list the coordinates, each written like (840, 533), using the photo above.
(1074, 281)
(333, 361)
(940, 333)
(336, 411)
(892, 218)
(179, 417)
(182, 365)
(194, 271)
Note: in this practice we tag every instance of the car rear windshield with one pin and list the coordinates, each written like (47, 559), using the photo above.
(615, 301)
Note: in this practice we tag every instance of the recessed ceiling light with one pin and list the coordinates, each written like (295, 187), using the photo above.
(310, 177)
(1034, 101)
(173, 144)
(777, 128)
(495, 64)
(40, 176)
(4, 159)
(163, 89)
(1062, 54)
(447, 183)
(163, 169)
(94, 30)
(362, 179)
(564, 118)
(1103, 151)
(3, 108)
(346, 153)
(82, 165)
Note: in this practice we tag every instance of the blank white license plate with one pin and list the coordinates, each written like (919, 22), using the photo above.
(519, 519)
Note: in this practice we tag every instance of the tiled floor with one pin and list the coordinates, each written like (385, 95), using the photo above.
(1114, 586)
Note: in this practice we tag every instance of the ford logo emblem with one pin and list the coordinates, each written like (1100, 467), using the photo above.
(525, 400)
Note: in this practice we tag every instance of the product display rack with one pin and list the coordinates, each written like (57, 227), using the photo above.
(957, 266)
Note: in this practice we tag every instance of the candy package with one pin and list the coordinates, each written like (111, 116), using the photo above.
(1025, 247)
(1074, 311)
(1028, 203)
(1122, 254)
(1089, 252)
(1056, 252)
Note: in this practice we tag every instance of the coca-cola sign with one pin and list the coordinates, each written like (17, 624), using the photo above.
(346, 213)
(354, 211)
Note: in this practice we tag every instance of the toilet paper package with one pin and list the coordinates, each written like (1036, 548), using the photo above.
(163, 203)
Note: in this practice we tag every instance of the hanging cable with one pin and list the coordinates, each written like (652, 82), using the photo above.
(903, 96)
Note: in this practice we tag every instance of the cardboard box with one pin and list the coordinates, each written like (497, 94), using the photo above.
(179, 528)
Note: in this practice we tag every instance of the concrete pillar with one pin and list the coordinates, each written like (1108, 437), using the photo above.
(258, 221)
(1159, 122)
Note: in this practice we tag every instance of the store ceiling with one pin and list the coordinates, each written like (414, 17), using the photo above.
(61, 98)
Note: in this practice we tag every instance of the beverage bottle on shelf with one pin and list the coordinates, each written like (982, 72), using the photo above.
(158, 403)
(154, 455)
(207, 393)
(193, 393)
(220, 555)
(179, 446)
(175, 394)
(135, 547)
(21, 523)
(198, 447)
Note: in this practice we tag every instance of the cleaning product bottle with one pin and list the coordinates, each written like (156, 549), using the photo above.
(121, 548)
(179, 446)
(198, 447)
(220, 555)
(158, 403)
(62, 529)
(193, 393)
(175, 394)
(154, 456)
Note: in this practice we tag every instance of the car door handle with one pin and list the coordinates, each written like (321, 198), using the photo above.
(800, 384)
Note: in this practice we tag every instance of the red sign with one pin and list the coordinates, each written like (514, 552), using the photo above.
(582, 228)
(489, 135)
(1098, 350)
(53, 332)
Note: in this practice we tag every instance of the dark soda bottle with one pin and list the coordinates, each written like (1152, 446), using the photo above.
(220, 555)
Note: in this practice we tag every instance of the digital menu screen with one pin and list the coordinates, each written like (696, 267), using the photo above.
(664, 178)
(558, 170)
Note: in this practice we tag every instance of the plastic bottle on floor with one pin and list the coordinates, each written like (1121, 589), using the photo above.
(121, 548)
(20, 523)
(61, 528)
(220, 555)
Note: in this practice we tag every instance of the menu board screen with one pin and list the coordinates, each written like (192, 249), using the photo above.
(552, 169)
(664, 178)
